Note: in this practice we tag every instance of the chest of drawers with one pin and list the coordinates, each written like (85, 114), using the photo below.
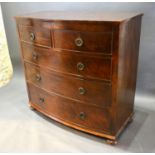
(81, 67)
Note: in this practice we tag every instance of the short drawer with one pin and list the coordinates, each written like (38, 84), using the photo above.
(83, 41)
(82, 65)
(36, 35)
(70, 111)
(90, 92)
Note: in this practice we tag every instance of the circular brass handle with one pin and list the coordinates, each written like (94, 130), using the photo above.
(41, 100)
(79, 42)
(82, 91)
(80, 66)
(32, 36)
(38, 77)
(34, 56)
(82, 115)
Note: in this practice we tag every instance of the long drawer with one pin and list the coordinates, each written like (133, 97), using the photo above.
(87, 91)
(85, 116)
(82, 65)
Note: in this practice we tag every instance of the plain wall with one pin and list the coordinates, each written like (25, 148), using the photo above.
(146, 67)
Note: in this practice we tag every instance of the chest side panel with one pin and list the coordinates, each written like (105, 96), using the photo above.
(127, 69)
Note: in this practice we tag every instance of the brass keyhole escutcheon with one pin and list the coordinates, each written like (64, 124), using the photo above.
(32, 36)
(79, 42)
(80, 66)
(82, 115)
(82, 91)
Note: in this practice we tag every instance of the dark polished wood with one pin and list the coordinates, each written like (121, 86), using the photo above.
(36, 35)
(78, 16)
(90, 41)
(95, 92)
(81, 69)
(78, 114)
(95, 66)
(127, 71)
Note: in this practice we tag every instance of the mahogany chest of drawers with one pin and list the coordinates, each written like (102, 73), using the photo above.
(81, 67)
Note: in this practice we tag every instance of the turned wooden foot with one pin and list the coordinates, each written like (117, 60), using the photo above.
(111, 142)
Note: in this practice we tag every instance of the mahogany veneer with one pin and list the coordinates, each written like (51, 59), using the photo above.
(81, 68)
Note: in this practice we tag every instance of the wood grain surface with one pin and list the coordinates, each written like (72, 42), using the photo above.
(81, 68)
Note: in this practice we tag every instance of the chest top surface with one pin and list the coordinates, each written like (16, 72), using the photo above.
(81, 16)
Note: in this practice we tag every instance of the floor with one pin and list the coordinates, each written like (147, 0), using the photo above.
(24, 130)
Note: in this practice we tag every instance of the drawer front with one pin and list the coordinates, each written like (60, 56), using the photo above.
(69, 111)
(87, 91)
(83, 41)
(98, 67)
(36, 35)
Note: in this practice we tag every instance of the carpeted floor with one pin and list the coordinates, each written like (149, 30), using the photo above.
(23, 130)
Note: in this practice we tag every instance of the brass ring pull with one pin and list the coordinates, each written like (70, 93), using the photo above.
(32, 36)
(38, 77)
(82, 91)
(79, 42)
(41, 100)
(80, 66)
(34, 56)
(82, 115)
